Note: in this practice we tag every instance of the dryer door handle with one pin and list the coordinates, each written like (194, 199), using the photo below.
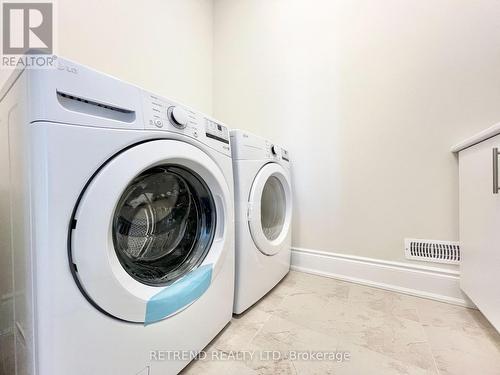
(249, 211)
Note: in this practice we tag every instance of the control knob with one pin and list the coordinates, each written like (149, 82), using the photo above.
(273, 150)
(178, 117)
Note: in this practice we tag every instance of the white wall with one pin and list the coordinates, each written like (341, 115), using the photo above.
(368, 96)
(162, 45)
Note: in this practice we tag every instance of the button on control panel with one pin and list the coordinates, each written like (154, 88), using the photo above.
(158, 123)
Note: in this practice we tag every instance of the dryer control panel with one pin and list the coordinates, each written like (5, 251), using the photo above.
(276, 152)
(247, 146)
(166, 115)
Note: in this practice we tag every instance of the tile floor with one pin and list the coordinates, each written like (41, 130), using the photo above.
(383, 332)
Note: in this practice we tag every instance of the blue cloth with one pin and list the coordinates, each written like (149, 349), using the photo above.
(178, 295)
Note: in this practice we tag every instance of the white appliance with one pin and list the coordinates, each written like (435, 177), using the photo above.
(117, 225)
(263, 206)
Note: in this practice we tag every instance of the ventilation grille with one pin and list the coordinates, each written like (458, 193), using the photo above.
(432, 251)
(90, 107)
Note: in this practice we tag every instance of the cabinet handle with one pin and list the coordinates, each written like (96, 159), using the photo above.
(496, 154)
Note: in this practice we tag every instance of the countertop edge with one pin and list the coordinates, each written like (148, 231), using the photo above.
(479, 137)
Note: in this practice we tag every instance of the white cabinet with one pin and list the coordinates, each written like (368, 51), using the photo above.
(480, 226)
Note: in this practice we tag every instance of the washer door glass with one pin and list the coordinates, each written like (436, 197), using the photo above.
(163, 225)
(273, 208)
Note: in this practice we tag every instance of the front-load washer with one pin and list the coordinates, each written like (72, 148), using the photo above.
(263, 206)
(117, 225)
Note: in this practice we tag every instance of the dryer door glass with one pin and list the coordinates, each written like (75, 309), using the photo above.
(163, 225)
(273, 208)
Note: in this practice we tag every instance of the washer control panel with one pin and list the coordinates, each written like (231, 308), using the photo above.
(166, 115)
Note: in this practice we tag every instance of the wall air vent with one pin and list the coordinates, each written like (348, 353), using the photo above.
(432, 251)
(94, 108)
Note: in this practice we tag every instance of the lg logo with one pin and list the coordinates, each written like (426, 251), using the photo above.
(67, 68)
(27, 28)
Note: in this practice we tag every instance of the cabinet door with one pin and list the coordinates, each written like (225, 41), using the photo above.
(480, 228)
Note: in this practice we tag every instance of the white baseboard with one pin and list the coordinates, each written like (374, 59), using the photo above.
(422, 281)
